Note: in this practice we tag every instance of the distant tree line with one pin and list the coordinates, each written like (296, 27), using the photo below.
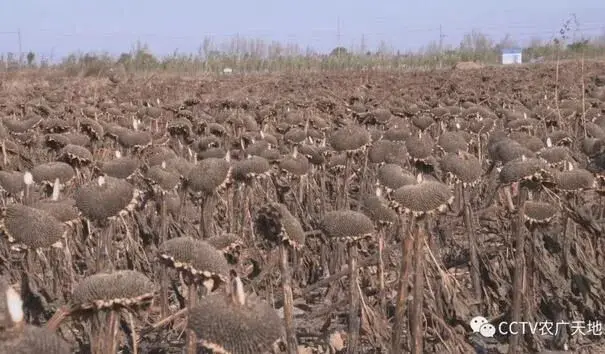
(254, 55)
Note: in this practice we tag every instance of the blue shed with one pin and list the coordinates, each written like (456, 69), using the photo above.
(512, 56)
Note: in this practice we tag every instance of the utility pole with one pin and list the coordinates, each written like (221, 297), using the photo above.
(338, 31)
(20, 46)
(576, 27)
(441, 37)
(338, 37)
(362, 46)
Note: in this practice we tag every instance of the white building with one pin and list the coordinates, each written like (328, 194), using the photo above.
(512, 56)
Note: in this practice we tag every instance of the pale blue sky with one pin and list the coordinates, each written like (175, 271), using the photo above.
(58, 27)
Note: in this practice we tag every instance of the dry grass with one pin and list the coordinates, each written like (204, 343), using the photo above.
(462, 261)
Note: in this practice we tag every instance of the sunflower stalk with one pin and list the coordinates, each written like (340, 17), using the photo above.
(518, 293)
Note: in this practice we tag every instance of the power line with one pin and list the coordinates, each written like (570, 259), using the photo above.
(313, 38)
(587, 26)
